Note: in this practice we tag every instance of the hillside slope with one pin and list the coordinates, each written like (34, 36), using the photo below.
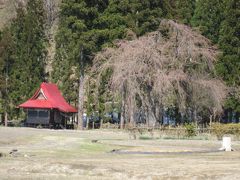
(8, 12)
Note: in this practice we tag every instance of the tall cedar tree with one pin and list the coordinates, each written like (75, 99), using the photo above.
(229, 41)
(27, 68)
(92, 25)
(208, 16)
(76, 41)
(5, 61)
(184, 10)
(75, 33)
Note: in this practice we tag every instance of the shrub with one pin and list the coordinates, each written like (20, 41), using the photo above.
(110, 126)
(223, 129)
(39, 126)
(190, 129)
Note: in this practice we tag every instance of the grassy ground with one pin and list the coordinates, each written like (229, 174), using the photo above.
(62, 154)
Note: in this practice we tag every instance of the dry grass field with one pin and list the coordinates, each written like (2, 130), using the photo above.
(27, 153)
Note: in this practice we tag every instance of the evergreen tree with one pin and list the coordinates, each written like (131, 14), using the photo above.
(76, 41)
(2, 61)
(141, 16)
(75, 33)
(208, 16)
(88, 26)
(27, 68)
(184, 10)
(94, 24)
(229, 42)
(6, 59)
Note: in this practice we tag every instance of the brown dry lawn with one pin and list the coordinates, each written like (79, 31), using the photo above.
(66, 154)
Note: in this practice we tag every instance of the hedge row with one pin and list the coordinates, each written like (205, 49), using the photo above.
(225, 129)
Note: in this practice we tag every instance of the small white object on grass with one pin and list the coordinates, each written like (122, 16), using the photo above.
(226, 144)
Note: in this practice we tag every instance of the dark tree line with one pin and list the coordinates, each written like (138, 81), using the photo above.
(88, 26)
(23, 49)
(219, 20)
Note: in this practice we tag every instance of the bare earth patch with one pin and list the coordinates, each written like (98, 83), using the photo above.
(62, 154)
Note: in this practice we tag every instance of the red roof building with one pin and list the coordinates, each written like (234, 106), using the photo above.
(47, 106)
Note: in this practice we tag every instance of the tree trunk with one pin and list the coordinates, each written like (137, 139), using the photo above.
(81, 93)
(101, 123)
(147, 117)
(210, 123)
(131, 112)
(214, 114)
(152, 119)
(87, 125)
(131, 116)
(122, 112)
(195, 115)
(6, 119)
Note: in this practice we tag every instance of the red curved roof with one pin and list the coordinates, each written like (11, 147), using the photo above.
(51, 99)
